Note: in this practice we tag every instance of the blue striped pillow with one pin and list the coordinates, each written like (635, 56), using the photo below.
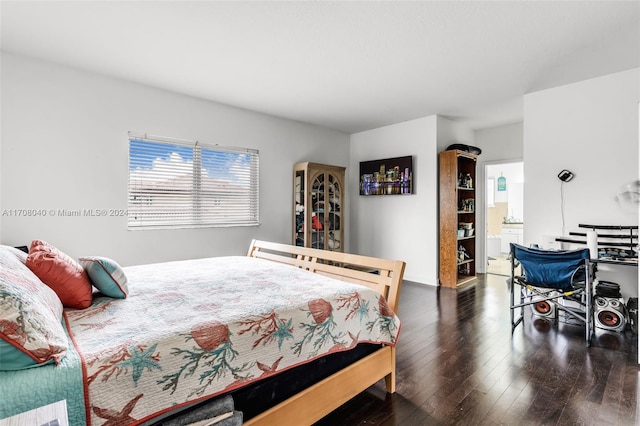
(106, 275)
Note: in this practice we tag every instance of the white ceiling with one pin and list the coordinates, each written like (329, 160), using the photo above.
(350, 66)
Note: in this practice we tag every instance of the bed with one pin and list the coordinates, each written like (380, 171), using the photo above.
(189, 332)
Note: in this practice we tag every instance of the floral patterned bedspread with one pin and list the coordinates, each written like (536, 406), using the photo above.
(193, 329)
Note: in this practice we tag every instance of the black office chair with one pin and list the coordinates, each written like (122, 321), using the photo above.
(552, 282)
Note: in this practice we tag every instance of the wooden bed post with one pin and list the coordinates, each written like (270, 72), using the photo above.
(390, 379)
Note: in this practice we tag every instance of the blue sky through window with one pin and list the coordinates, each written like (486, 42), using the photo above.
(160, 151)
(230, 166)
(172, 184)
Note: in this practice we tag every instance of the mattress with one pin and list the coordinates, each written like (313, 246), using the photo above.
(192, 330)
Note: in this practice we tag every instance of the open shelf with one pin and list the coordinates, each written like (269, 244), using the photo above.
(457, 200)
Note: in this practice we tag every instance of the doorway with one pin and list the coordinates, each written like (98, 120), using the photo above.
(504, 183)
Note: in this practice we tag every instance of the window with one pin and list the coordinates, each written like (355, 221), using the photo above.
(179, 184)
(491, 188)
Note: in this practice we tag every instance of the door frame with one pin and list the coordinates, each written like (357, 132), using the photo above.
(485, 206)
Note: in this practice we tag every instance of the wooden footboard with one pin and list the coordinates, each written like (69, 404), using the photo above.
(315, 402)
(384, 276)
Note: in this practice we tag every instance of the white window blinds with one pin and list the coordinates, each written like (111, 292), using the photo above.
(178, 184)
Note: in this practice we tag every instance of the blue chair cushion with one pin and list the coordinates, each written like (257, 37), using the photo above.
(549, 268)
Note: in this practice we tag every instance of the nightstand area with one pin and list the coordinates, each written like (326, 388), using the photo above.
(48, 415)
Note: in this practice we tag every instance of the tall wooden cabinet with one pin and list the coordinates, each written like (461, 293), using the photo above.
(457, 196)
(318, 199)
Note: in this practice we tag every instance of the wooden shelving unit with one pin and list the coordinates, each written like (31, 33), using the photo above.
(457, 218)
(318, 200)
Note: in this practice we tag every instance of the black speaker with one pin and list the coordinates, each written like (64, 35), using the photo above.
(632, 310)
(610, 313)
(608, 289)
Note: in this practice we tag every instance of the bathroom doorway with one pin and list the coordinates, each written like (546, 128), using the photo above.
(504, 213)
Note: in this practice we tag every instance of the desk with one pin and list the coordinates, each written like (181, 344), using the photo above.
(610, 237)
(616, 239)
(605, 261)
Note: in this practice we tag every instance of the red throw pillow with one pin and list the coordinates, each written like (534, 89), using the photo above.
(63, 274)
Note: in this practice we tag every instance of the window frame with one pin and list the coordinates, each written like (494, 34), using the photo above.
(491, 192)
(206, 194)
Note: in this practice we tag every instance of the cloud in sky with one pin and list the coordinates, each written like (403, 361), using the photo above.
(162, 169)
(165, 163)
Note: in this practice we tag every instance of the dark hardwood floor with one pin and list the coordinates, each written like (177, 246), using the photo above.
(458, 363)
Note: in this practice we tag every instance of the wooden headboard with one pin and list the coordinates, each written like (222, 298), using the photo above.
(382, 275)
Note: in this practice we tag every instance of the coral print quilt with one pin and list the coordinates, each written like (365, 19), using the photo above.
(193, 329)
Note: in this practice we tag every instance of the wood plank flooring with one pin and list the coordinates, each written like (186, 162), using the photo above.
(458, 364)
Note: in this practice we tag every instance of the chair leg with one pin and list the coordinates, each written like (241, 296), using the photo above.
(589, 304)
(515, 322)
(511, 313)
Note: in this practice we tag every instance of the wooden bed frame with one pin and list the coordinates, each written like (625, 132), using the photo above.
(315, 402)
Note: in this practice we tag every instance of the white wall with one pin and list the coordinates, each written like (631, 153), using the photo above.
(499, 144)
(403, 227)
(450, 132)
(65, 146)
(591, 129)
